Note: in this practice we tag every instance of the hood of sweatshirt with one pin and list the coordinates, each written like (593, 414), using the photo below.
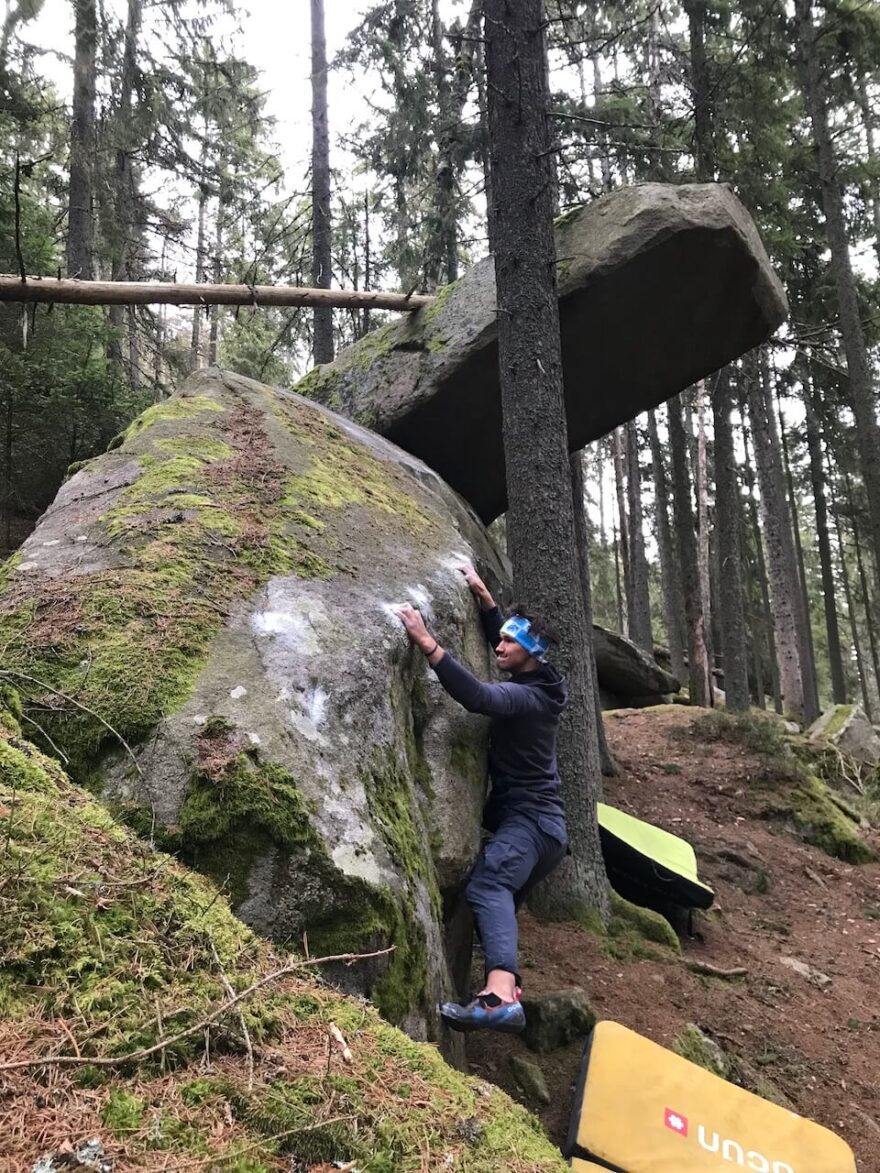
(549, 681)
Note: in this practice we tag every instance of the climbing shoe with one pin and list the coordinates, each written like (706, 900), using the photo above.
(484, 1012)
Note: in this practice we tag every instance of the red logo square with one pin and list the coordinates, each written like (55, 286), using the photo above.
(676, 1122)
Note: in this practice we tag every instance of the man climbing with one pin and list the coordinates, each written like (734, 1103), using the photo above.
(524, 812)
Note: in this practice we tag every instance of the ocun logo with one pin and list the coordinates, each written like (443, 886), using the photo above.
(676, 1122)
(726, 1148)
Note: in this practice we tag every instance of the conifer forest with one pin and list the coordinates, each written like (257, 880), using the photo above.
(325, 327)
(163, 164)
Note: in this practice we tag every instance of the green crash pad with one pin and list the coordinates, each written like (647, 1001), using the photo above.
(648, 865)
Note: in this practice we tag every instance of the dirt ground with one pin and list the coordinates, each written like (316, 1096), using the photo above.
(776, 897)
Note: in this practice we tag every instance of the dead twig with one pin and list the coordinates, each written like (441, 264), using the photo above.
(230, 993)
(203, 1024)
(8, 673)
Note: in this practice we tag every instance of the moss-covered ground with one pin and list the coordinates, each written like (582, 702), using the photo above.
(789, 789)
(109, 948)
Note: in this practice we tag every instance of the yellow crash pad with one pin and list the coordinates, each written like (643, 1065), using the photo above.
(642, 1109)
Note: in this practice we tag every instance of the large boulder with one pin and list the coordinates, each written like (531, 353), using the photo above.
(202, 627)
(848, 728)
(658, 286)
(628, 676)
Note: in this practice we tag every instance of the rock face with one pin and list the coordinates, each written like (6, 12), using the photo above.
(202, 626)
(848, 727)
(628, 676)
(658, 286)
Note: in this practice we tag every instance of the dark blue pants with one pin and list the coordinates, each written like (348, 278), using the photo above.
(519, 855)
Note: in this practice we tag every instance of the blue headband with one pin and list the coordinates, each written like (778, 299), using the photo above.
(519, 629)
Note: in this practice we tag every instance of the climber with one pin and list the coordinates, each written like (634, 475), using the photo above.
(524, 813)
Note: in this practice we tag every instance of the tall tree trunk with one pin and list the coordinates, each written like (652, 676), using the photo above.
(195, 350)
(125, 185)
(727, 520)
(582, 536)
(368, 264)
(483, 142)
(762, 575)
(704, 153)
(805, 629)
(699, 676)
(639, 617)
(817, 480)
(541, 535)
(623, 523)
(863, 583)
(701, 484)
(861, 383)
(214, 314)
(441, 262)
(784, 586)
(850, 607)
(80, 219)
(670, 567)
(604, 155)
(618, 582)
(322, 265)
(868, 116)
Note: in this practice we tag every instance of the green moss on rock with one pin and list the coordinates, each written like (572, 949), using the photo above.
(127, 947)
(808, 806)
(694, 1046)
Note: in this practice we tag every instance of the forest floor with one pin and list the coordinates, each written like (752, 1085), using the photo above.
(817, 1038)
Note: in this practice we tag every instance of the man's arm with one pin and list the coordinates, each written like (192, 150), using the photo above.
(493, 700)
(490, 614)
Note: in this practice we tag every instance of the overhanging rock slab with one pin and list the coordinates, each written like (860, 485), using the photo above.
(659, 286)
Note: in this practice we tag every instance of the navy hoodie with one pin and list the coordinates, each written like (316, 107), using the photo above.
(525, 714)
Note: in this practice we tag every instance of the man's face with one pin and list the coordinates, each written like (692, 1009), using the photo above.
(513, 657)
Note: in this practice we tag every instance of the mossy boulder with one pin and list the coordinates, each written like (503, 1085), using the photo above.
(201, 629)
(659, 285)
(848, 728)
(119, 965)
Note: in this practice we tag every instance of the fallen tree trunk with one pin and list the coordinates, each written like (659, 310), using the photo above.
(55, 289)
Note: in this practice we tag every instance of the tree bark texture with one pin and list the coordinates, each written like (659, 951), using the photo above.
(850, 605)
(761, 571)
(782, 569)
(322, 266)
(80, 219)
(670, 564)
(51, 289)
(861, 382)
(582, 536)
(122, 232)
(639, 600)
(868, 117)
(734, 655)
(805, 630)
(820, 506)
(701, 484)
(699, 676)
(541, 533)
(195, 350)
(704, 153)
(863, 583)
(623, 522)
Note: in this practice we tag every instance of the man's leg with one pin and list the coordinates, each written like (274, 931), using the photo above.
(502, 869)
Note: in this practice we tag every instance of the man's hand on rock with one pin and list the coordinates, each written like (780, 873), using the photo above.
(478, 588)
(415, 628)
